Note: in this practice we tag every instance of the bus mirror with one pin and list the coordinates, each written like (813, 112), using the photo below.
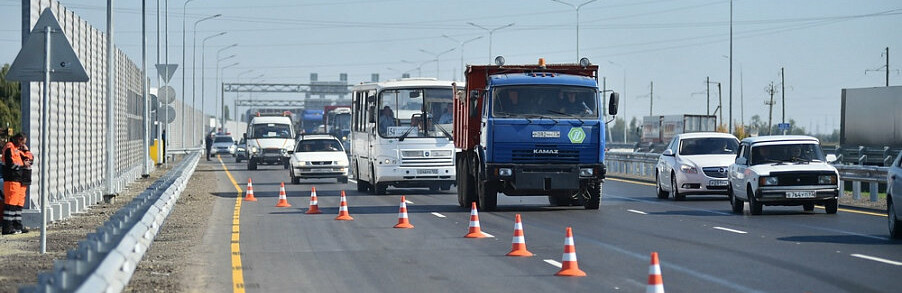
(372, 115)
(613, 102)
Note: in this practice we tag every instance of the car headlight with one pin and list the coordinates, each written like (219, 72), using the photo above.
(768, 181)
(586, 172)
(254, 149)
(688, 169)
(826, 179)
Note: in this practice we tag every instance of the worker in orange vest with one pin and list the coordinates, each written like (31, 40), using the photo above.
(17, 162)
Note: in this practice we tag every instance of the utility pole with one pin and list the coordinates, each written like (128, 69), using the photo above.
(887, 66)
(719, 105)
(783, 94)
(708, 93)
(771, 90)
(651, 98)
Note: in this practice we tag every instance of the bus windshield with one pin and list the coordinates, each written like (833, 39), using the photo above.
(553, 101)
(415, 112)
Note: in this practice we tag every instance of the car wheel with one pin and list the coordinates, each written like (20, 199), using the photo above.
(895, 225)
(755, 207)
(677, 196)
(831, 206)
(295, 180)
(287, 165)
(808, 207)
(735, 203)
(661, 193)
(343, 179)
(251, 164)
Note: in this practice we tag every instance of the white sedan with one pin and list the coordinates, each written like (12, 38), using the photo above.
(695, 163)
(318, 156)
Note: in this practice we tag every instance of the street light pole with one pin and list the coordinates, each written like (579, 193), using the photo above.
(222, 97)
(235, 110)
(203, 71)
(436, 59)
(491, 31)
(194, 136)
(461, 46)
(576, 7)
(218, 60)
(182, 118)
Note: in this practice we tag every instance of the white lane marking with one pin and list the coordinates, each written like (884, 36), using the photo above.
(554, 263)
(438, 215)
(637, 212)
(886, 261)
(731, 230)
(488, 235)
(407, 201)
(352, 181)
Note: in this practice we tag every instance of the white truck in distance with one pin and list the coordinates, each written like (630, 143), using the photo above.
(269, 140)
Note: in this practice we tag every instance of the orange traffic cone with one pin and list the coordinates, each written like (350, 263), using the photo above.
(655, 283)
(475, 231)
(314, 204)
(569, 266)
(249, 195)
(518, 244)
(403, 222)
(343, 209)
(283, 200)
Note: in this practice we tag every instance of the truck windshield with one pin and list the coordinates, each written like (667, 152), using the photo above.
(708, 146)
(415, 112)
(779, 153)
(553, 101)
(270, 130)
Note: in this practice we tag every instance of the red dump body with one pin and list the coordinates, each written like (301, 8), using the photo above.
(467, 123)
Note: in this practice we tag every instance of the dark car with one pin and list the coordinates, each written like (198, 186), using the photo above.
(241, 151)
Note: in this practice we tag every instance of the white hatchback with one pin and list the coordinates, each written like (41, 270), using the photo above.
(695, 163)
(318, 156)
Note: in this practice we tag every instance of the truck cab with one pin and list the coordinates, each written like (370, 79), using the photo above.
(531, 130)
(269, 140)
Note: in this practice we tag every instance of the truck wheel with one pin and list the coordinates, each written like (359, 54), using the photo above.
(592, 196)
(251, 164)
(661, 193)
(379, 188)
(488, 195)
(831, 206)
(755, 207)
(466, 186)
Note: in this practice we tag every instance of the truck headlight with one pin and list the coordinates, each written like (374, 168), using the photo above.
(505, 172)
(254, 149)
(826, 179)
(586, 172)
(688, 169)
(768, 181)
(302, 163)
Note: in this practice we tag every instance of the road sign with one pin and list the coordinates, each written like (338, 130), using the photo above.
(30, 63)
(169, 113)
(167, 94)
(166, 70)
(783, 126)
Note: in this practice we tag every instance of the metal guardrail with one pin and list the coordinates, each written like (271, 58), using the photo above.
(106, 260)
(641, 166)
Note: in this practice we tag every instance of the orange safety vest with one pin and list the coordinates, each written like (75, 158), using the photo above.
(13, 156)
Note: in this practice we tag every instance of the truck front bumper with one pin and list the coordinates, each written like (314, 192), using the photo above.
(544, 177)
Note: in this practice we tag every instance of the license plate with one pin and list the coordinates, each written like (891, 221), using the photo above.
(427, 172)
(800, 194)
(717, 183)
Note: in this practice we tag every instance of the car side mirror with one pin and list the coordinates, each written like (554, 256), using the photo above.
(831, 158)
(740, 161)
(613, 102)
(290, 152)
(668, 152)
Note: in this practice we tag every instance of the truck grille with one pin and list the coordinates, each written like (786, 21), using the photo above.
(547, 154)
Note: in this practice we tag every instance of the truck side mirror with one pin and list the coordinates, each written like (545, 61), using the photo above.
(244, 135)
(613, 102)
(474, 98)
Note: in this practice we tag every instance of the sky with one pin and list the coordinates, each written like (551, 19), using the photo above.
(823, 46)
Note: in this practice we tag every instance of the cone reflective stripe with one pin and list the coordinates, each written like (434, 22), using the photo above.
(314, 204)
(518, 244)
(249, 195)
(655, 282)
(403, 221)
(343, 209)
(569, 267)
(474, 231)
(283, 200)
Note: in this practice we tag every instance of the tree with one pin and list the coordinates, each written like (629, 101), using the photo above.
(10, 101)
(617, 130)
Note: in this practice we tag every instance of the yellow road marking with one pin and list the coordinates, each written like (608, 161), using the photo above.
(237, 270)
(819, 207)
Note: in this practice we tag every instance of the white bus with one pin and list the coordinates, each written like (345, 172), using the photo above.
(401, 134)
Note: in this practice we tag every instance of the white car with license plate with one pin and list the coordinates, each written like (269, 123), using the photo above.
(695, 163)
(318, 156)
(782, 170)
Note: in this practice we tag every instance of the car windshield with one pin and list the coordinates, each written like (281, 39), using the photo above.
(545, 101)
(767, 154)
(708, 146)
(318, 145)
(270, 130)
(220, 139)
(415, 112)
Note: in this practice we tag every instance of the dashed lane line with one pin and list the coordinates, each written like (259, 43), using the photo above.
(637, 212)
(438, 215)
(877, 259)
(554, 263)
(731, 230)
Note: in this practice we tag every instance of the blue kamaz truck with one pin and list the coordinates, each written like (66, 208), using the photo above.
(530, 130)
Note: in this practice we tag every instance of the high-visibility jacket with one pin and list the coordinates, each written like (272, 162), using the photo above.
(14, 168)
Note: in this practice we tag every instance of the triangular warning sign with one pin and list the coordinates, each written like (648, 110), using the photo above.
(166, 71)
(64, 63)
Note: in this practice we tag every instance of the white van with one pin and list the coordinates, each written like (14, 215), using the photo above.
(269, 140)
